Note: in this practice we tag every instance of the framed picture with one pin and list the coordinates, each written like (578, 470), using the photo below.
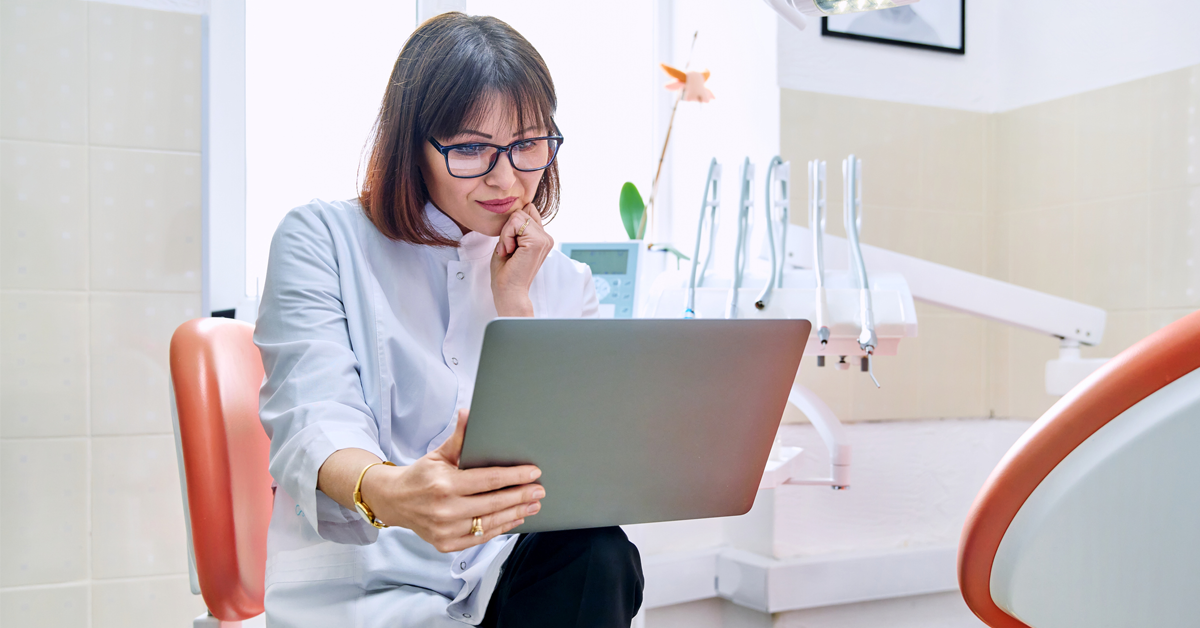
(939, 25)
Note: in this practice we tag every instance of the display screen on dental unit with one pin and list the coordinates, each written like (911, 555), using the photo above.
(603, 262)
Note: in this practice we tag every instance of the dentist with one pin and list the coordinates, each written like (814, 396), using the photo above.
(370, 329)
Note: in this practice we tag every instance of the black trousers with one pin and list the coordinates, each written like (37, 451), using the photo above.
(568, 579)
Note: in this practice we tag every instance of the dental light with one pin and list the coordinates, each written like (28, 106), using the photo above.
(794, 10)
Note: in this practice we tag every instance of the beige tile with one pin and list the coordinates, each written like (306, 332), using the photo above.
(131, 335)
(996, 246)
(997, 372)
(144, 78)
(43, 216)
(1112, 253)
(145, 231)
(895, 229)
(1035, 155)
(137, 508)
(56, 607)
(1113, 142)
(886, 136)
(950, 238)
(165, 601)
(953, 238)
(44, 540)
(1174, 236)
(1041, 249)
(952, 367)
(43, 59)
(43, 367)
(1028, 353)
(1121, 330)
(1175, 128)
(952, 159)
(1157, 319)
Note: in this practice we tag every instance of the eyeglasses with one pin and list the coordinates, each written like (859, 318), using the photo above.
(467, 161)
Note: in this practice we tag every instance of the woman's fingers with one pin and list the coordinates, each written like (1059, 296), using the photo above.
(498, 520)
(479, 505)
(488, 479)
(470, 540)
(451, 449)
(534, 213)
(509, 232)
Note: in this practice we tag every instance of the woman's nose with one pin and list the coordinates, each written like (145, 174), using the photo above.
(503, 175)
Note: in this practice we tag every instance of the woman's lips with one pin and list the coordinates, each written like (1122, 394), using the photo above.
(498, 206)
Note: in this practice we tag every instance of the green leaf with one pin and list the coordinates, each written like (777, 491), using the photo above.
(632, 207)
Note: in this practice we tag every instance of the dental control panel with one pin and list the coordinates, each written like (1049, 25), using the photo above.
(614, 272)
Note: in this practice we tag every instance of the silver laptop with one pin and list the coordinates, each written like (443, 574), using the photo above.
(633, 421)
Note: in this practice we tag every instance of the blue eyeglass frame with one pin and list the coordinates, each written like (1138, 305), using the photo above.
(445, 151)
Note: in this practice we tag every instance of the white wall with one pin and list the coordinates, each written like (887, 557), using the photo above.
(737, 44)
(1055, 49)
(315, 75)
(1019, 52)
(810, 62)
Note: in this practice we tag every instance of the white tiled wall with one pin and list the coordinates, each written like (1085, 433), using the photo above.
(99, 262)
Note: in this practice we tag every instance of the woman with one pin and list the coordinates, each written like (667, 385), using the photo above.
(370, 329)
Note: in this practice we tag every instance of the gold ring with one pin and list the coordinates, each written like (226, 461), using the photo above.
(477, 526)
(521, 232)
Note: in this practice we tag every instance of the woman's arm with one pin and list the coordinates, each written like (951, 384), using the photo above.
(433, 497)
(323, 433)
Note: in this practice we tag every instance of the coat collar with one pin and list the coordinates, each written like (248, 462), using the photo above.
(471, 246)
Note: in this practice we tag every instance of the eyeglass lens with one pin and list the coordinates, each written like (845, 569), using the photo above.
(470, 161)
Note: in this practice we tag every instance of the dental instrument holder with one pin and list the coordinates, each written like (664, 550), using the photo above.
(779, 173)
(708, 206)
(816, 222)
(852, 201)
(740, 252)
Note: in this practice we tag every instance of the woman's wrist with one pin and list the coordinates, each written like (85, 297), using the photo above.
(514, 305)
(376, 483)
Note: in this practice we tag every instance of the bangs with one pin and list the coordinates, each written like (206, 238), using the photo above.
(484, 81)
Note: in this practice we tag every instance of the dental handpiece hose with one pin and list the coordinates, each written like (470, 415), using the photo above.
(708, 205)
(852, 178)
(816, 222)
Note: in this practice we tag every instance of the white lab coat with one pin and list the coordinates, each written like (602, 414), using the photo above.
(374, 344)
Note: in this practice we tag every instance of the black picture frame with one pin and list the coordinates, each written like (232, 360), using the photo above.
(961, 50)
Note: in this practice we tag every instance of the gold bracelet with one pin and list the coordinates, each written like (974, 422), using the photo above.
(362, 507)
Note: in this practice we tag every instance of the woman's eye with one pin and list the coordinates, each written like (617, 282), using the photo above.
(525, 145)
(468, 151)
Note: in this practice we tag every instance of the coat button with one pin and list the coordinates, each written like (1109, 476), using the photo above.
(460, 275)
(454, 361)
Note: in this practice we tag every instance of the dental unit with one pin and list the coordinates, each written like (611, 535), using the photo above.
(856, 317)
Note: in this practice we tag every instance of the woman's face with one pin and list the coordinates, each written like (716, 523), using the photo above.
(483, 203)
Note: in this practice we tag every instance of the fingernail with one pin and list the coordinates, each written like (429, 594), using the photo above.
(539, 493)
(535, 474)
(517, 523)
(534, 508)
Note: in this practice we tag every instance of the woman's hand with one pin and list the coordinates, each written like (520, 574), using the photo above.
(523, 246)
(438, 501)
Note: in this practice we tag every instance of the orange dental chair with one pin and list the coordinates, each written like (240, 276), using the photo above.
(216, 372)
(1092, 519)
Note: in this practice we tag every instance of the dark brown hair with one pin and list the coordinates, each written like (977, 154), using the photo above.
(441, 83)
